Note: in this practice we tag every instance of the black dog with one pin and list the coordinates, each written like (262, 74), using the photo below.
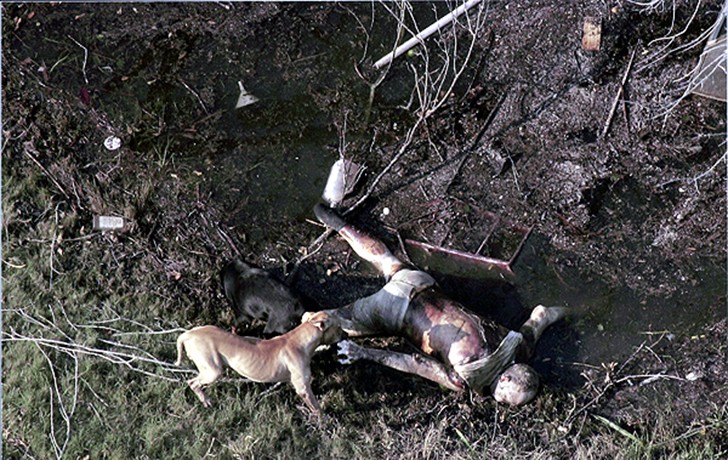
(254, 294)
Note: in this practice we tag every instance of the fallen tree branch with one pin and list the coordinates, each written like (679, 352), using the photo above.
(115, 357)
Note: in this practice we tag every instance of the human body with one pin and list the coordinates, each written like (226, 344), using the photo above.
(461, 350)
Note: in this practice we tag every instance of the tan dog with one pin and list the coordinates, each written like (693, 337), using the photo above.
(280, 359)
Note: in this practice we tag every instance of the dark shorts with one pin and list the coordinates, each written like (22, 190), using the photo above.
(383, 311)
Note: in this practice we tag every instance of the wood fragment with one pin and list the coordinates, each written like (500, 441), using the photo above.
(591, 39)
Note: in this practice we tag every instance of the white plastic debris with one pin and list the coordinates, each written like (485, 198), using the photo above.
(342, 179)
(112, 143)
(693, 376)
(245, 97)
(108, 223)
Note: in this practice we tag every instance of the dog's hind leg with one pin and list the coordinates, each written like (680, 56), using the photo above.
(207, 376)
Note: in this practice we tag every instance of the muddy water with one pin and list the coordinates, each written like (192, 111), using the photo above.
(281, 148)
(610, 317)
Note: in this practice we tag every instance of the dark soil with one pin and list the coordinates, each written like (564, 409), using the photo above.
(629, 226)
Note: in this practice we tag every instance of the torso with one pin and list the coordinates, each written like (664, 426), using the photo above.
(443, 328)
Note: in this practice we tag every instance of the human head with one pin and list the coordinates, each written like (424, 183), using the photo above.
(516, 385)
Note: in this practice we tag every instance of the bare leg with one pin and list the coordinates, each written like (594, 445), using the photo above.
(367, 247)
(206, 377)
(412, 364)
(541, 318)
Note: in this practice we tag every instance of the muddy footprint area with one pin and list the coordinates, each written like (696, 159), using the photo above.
(619, 176)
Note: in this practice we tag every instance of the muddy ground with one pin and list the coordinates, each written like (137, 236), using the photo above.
(628, 217)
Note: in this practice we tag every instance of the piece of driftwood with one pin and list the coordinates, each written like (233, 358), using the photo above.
(591, 39)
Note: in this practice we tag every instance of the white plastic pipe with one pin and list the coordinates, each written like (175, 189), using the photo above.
(420, 37)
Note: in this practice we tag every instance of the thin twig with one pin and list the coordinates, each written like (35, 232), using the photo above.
(608, 123)
(194, 93)
(85, 58)
(45, 171)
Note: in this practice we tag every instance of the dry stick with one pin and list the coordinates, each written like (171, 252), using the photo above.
(610, 383)
(619, 95)
(47, 173)
(420, 37)
(194, 93)
(402, 150)
(53, 248)
(228, 240)
(373, 86)
(481, 133)
(112, 356)
(66, 415)
(85, 58)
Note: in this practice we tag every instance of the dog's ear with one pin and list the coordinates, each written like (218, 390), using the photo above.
(319, 319)
(307, 316)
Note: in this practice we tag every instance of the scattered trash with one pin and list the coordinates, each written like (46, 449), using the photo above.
(245, 97)
(693, 376)
(591, 39)
(104, 223)
(112, 143)
(342, 179)
(709, 79)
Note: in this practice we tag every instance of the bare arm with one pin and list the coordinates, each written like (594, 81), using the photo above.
(417, 364)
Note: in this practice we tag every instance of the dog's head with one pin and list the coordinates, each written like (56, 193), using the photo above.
(329, 326)
(284, 317)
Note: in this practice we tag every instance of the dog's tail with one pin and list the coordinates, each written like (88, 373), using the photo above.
(180, 349)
